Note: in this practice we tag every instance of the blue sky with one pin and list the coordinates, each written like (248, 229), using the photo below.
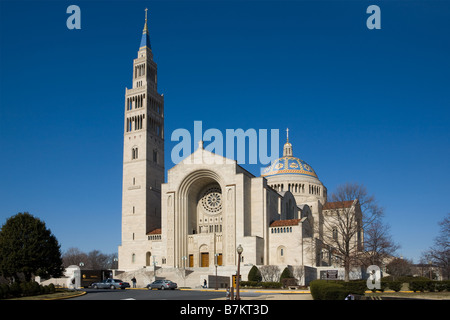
(366, 106)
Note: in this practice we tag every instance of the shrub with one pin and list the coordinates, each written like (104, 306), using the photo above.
(254, 274)
(30, 288)
(15, 289)
(249, 284)
(420, 285)
(323, 290)
(395, 285)
(51, 288)
(355, 286)
(335, 292)
(285, 274)
(271, 285)
(440, 286)
(4, 291)
(265, 285)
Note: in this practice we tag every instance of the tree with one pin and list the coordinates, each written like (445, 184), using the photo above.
(73, 256)
(439, 253)
(270, 273)
(379, 246)
(254, 274)
(94, 260)
(27, 247)
(349, 212)
(399, 267)
(286, 274)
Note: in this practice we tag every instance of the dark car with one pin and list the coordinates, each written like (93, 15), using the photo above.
(162, 284)
(111, 284)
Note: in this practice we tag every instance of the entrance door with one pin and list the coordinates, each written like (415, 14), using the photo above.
(205, 259)
(191, 261)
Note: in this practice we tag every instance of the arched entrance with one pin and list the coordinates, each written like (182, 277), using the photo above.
(200, 218)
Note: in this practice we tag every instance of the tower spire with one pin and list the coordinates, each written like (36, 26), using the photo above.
(145, 40)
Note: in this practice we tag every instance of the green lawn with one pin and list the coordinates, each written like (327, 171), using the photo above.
(59, 294)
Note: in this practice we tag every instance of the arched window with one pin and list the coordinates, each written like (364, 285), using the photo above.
(134, 153)
(147, 258)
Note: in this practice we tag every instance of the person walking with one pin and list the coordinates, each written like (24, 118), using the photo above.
(134, 282)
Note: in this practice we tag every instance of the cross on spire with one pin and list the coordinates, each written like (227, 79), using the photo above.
(145, 25)
(287, 149)
(145, 40)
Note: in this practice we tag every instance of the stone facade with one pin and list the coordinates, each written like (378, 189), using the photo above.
(210, 205)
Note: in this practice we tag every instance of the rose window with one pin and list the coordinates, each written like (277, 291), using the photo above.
(212, 200)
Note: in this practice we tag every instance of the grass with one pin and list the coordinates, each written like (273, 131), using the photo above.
(412, 295)
(59, 294)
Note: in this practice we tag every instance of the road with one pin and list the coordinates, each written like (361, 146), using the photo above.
(143, 294)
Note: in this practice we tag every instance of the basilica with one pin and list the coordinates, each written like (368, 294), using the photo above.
(208, 207)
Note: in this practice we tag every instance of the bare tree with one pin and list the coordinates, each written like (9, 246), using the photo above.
(73, 256)
(299, 273)
(399, 267)
(439, 253)
(94, 260)
(349, 212)
(378, 244)
(270, 273)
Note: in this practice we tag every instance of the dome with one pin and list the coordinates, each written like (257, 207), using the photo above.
(289, 165)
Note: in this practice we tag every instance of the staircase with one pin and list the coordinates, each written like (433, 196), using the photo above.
(185, 278)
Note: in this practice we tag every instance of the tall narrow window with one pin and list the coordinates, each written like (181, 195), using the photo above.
(134, 153)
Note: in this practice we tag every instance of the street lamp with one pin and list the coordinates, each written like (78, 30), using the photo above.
(215, 263)
(239, 251)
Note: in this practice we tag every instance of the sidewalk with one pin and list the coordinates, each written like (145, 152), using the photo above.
(267, 294)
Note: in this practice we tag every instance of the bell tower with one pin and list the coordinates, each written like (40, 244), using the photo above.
(143, 159)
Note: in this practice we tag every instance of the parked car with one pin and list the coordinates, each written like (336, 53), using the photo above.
(162, 285)
(111, 284)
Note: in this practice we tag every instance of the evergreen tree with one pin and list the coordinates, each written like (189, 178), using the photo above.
(27, 247)
(254, 274)
(285, 274)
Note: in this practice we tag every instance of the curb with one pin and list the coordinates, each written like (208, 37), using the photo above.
(68, 297)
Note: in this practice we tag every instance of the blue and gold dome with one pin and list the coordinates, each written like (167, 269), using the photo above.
(289, 165)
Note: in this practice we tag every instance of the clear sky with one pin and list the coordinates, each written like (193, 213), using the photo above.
(366, 106)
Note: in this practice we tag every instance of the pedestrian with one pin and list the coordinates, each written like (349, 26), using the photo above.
(204, 283)
(134, 282)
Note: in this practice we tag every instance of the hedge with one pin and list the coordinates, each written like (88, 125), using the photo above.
(429, 285)
(266, 285)
(393, 285)
(328, 290)
(23, 289)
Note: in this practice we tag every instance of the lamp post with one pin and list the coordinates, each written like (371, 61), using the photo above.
(239, 251)
(215, 263)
